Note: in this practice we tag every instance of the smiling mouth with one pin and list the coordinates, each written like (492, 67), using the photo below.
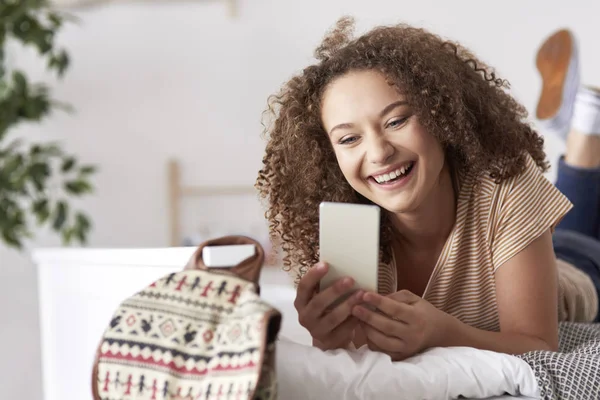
(391, 177)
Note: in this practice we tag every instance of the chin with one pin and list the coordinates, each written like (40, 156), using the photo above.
(396, 203)
(394, 207)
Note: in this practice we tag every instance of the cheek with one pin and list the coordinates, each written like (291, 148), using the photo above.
(432, 163)
(434, 166)
(439, 156)
(349, 166)
(431, 150)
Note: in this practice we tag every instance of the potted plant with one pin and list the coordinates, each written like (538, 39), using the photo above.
(37, 180)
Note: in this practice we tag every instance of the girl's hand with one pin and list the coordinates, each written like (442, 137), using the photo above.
(330, 327)
(402, 324)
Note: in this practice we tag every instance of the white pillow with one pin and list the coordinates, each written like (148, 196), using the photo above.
(281, 296)
(305, 372)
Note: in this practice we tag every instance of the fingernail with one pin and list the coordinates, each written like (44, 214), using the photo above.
(320, 265)
(347, 282)
(359, 295)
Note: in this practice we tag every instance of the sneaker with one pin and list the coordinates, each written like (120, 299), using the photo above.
(558, 64)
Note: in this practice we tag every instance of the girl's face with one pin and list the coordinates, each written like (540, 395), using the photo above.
(381, 148)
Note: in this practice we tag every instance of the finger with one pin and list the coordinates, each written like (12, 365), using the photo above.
(309, 283)
(382, 341)
(323, 300)
(381, 322)
(396, 309)
(364, 327)
(405, 296)
(339, 314)
(343, 334)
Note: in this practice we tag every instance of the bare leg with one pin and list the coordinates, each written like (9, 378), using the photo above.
(583, 151)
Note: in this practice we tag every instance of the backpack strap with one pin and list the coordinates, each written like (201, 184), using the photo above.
(248, 269)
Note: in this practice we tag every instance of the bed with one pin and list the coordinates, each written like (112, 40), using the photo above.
(80, 288)
(554, 373)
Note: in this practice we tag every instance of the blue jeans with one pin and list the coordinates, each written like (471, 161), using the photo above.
(577, 236)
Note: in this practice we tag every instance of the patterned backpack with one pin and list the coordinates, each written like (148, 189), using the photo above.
(202, 333)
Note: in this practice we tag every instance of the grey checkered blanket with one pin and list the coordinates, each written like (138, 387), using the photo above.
(574, 371)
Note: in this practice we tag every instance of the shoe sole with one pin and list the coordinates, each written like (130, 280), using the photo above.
(552, 62)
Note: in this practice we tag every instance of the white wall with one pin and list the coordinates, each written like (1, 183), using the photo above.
(151, 81)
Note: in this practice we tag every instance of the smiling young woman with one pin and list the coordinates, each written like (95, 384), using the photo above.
(417, 125)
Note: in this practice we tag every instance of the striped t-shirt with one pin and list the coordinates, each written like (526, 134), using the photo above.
(494, 223)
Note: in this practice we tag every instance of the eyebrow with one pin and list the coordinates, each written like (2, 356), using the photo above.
(386, 110)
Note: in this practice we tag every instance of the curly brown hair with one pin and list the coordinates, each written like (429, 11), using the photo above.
(456, 97)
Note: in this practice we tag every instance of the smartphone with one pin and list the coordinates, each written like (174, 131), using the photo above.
(349, 243)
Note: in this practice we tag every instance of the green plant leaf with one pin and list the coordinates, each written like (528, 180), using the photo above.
(13, 165)
(2, 68)
(20, 83)
(11, 239)
(67, 235)
(4, 88)
(12, 222)
(68, 164)
(2, 36)
(82, 227)
(82, 220)
(78, 187)
(12, 12)
(41, 169)
(60, 215)
(29, 30)
(36, 105)
(56, 20)
(63, 62)
(35, 150)
(87, 170)
(52, 150)
(59, 62)
(41, 210)
(39, 173)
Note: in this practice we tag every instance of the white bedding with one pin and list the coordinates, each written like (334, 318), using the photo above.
(305, 372)
(85, 285)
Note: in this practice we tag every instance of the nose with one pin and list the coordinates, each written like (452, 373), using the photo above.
(379, 149)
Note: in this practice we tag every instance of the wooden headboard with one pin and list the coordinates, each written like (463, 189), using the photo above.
(178, 191)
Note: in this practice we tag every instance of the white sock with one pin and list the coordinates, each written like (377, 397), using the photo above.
(586, 114)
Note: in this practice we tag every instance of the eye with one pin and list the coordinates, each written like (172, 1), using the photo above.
(395, 123)
(347, 140)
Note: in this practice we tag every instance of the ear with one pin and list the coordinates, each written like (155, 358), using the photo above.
(248, 269)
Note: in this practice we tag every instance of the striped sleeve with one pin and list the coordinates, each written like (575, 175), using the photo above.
(528, 205)
(386, 278)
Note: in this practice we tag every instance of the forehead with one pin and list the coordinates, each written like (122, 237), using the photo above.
(357, 94)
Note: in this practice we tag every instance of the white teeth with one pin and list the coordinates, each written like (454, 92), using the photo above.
(392, 175)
